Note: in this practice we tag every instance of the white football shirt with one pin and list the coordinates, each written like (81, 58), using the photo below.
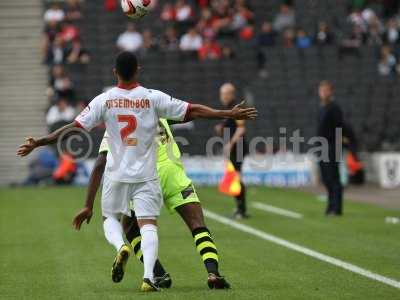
(131, 118)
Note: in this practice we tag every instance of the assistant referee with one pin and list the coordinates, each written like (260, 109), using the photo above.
(236, 148)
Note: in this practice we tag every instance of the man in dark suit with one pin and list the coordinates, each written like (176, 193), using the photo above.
(329, 122)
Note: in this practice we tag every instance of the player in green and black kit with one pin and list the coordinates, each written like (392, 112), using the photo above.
(179, 195)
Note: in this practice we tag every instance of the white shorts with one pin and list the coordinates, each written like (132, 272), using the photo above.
(145, 196)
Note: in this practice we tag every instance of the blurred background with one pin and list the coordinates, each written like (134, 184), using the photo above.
(57, 55)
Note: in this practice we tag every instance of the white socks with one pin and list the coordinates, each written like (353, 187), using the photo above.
(114, 232)
(149, 246)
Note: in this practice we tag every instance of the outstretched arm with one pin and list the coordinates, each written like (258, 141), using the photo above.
(238, 112)
(94, 183)
(51, 138)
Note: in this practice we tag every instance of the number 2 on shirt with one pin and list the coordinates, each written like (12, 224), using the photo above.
(131, 125)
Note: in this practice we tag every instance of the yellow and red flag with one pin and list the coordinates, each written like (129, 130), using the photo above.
(230, 182)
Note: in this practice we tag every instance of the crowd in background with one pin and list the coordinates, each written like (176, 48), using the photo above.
(211, 30)
(62, 45)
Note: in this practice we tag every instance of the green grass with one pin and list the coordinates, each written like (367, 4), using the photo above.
(42, 257)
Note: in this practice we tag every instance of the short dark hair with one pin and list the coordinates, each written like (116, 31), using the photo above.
(126, 65)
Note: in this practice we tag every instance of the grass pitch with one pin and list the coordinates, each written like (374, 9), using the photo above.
(42, 257)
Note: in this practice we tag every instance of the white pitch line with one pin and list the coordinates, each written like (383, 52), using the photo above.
(277, 210)
(309, 252)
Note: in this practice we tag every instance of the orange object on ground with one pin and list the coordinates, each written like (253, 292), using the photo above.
(66, 167)
(353, 164)
(230, 183)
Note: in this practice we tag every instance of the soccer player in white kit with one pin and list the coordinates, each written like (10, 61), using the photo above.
(130, 113)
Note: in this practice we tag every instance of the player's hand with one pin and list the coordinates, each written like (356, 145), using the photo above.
(84, 214)
(27, 148)
(239, 112)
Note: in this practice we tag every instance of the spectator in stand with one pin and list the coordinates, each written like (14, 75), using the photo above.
(73, 10)
(288, 38)
(242, 15)
(285, 18)
(323, 36)
(391, 34)
(247, 33)
(61, 85)
(149, 42)
(170, 41)
(60, 112)
(49, 34)
(56, 52)
(267, 36)
(183, 11)
(206, 24)
(266, 39)
(227, 52)
(54, 13)
(168, 13)
(210, 50)
(387, 63)
(41, 167)
(77, 54)
(69, 32)
(191, 41)
(374, 37)
(130, 40)
(222, 18)
(352, 44)
(303, 41)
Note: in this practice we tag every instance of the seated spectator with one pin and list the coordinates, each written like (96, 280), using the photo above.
(242, 15)
(267, 36)
(285, 18)
(356, 19)
(391, 34)
(41, 166)
(303, 41)
(352, 44)
(227, 52)
(149, 42)
(61, 85)
(191, 41)
(222, 20)
(54, 13)
(73, 10)
(288, 38)
(323, 36)
(66, 169)
(210, 50)
(183, 11)
(50, 32)
(206, 24)
(387, 63)
(69, 32)
(170, 41)
(168, 13)
(247, 33)
(130, 40)
(56, 52)
(60, 112)
(374, 37)
(77, 54)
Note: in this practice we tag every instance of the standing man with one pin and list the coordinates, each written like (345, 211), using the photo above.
(329, 122)
(236, 148)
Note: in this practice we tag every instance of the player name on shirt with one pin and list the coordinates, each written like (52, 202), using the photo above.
(128, 103)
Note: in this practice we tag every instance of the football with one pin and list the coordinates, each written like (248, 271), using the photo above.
(135, 9)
